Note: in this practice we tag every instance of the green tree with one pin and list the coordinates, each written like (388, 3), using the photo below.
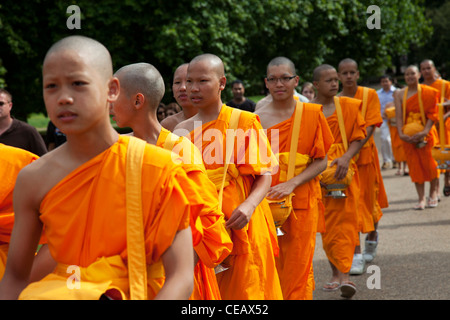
(246, 34)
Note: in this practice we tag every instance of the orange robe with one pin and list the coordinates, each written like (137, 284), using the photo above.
(12, 160)
(212, 242)
(397, 144)
(85, 220)
(422, 166)
(341, 215)
(253, 273)
(295, 261)
(438, 86)
(373, 194)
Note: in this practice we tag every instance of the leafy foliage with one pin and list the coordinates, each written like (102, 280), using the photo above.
(246, 34)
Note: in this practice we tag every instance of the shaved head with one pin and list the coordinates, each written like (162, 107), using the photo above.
(412, 67)
(348, 61)
(317, 73)
(214, 62)
(142, 78)
(428, 61)
(282, 61)
(93, 53)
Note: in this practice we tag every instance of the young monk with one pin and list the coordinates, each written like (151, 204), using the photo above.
(373, 195)
(422, 166)
(297, 245)
(252, 272)
(431, 78)
(341, 218)
(141, 90)
(180, 95)
(81, 200)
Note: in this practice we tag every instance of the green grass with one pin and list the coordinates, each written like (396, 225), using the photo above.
(255, 98)
(38, 120)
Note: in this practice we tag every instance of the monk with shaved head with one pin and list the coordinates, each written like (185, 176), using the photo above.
(295, 262)
(101, 198)
(142, 89)
(239, 160)
(431, 78)
(180, 95)
(417, 104)
(339, 236)
(373, 195)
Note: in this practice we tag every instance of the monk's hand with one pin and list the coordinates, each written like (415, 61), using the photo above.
(240, 216)
(342, 165)
(418, 136)
(405, 138)
(281, 190)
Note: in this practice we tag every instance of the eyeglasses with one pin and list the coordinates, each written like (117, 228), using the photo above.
(282, 80)
(3, 103)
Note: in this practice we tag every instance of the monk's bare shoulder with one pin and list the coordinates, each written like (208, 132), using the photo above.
(263, 102)
(185, 127)
(43, 174)
(172, 121)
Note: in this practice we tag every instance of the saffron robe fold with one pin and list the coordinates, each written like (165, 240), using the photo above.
(341, 215)
(84, 216)
(253, 274)
(295, 261)
(422, 166)
(373, 194)
(12, 160)
(214, 243)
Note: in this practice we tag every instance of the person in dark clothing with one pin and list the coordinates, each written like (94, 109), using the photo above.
(239, 101)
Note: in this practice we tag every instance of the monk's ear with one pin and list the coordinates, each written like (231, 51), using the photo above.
(113, 89)
(139, 101)
(222, 83)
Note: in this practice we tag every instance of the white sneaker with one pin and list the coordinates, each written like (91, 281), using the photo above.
(370, 249)
(358, 264)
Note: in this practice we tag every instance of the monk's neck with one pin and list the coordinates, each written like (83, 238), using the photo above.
(287, 105)
(412, 87)
(87, 145)
(189, 112)
(349, 91)
(209, 113)
(430, 80)
(148, 130)
(324, 100)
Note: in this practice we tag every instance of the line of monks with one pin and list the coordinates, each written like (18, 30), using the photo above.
(197, 220)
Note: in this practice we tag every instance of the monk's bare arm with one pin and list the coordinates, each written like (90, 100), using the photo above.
(286, 188)
(24, 239)
(178, 261)
(242, 214)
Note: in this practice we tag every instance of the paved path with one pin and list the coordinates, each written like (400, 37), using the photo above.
(413, 258)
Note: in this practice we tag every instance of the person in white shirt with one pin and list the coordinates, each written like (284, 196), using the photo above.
(385, 94)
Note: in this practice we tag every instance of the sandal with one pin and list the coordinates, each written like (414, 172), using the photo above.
(348, 289)
(331, 286)
(432, 203)
(446, 191)
(419, 206)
